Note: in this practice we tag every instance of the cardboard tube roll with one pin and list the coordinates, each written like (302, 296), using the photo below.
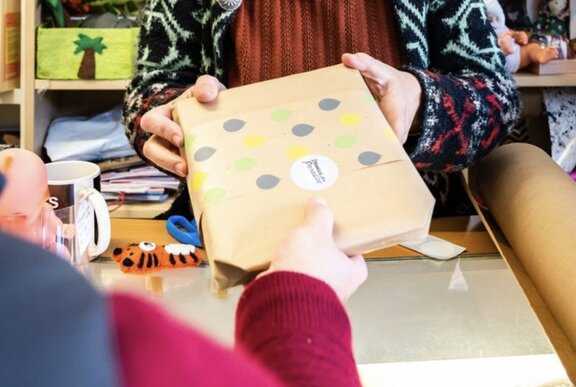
(534, 203)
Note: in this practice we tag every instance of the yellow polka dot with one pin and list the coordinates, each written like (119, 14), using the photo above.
(350, 119)
(253, 141)
(296, 151)
(198, 179)
(389, 133)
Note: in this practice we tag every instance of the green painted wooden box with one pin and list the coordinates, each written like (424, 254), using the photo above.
(86, 53)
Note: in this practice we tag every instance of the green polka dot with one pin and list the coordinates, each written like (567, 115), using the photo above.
(280, 115)
(188, 141)
(245, 164)
(370, 99)
(190, 138)
(345, 141)
(214, 195)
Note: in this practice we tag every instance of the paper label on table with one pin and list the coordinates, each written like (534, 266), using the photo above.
(434, 247)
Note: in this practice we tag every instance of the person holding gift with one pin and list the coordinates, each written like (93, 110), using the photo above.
(435, 69)
(291, 326)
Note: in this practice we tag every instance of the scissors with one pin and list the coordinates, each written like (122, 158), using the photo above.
(183, 230)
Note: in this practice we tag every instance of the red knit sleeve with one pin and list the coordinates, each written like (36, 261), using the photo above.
(154, 350)
(296, 326)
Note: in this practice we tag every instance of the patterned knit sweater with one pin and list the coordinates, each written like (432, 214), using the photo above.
(469, 101)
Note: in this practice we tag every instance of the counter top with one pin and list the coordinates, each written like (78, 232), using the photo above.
(416, 321)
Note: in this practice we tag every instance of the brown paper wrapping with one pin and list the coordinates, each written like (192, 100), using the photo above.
(533, 202)
(260, 152)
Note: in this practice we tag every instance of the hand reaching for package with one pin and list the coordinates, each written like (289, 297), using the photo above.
(163, 147)
(311, 250)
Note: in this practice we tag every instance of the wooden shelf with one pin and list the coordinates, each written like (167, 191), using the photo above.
(141, 210)
(11, 97)
(556, 80)
(46, 84)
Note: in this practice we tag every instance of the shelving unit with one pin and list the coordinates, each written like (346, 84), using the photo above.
(10, 97)
(43, 100)
(45, 84)
(525, 79)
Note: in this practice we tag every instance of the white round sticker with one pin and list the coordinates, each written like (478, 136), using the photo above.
(314, 172)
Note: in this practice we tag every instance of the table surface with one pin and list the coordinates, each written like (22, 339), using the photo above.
(416, 321)
(464, 231)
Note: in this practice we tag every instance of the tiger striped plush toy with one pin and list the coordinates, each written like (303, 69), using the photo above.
(147, 257)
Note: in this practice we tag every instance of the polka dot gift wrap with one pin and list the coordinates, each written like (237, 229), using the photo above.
(259, 152)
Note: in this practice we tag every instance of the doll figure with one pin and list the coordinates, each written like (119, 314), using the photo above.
(517, 50)
(24, 212)
(553, 18)
(552, 26)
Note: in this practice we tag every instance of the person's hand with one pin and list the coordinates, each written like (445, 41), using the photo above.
(398, 93)
(163, 147)
(311, 250)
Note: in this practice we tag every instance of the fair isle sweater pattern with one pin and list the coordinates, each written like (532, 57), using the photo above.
(469, 105)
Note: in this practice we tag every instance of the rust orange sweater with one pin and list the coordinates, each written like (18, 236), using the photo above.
(308, 35)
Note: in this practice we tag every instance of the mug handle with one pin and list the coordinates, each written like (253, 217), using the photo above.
(103, 219)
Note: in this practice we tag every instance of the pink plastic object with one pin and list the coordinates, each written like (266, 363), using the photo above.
(26, 183)
(23, 209)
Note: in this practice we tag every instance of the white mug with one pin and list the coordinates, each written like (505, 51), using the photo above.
(76, 201)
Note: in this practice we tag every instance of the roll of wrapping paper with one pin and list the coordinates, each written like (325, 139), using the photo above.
(533, 201)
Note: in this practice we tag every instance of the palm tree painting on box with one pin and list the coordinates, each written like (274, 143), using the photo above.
(89, 46)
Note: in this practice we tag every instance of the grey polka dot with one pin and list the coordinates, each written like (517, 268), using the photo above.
(204, 153)
(267, 181)
(234, 125)
(369, 158)
(328, 104)
(302, 130)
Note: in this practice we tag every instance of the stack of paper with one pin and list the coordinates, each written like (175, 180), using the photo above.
(98, 137)
(137, 184)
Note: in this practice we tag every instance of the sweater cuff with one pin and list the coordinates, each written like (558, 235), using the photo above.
(289, 303)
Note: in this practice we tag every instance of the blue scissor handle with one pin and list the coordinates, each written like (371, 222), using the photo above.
(183, 230)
